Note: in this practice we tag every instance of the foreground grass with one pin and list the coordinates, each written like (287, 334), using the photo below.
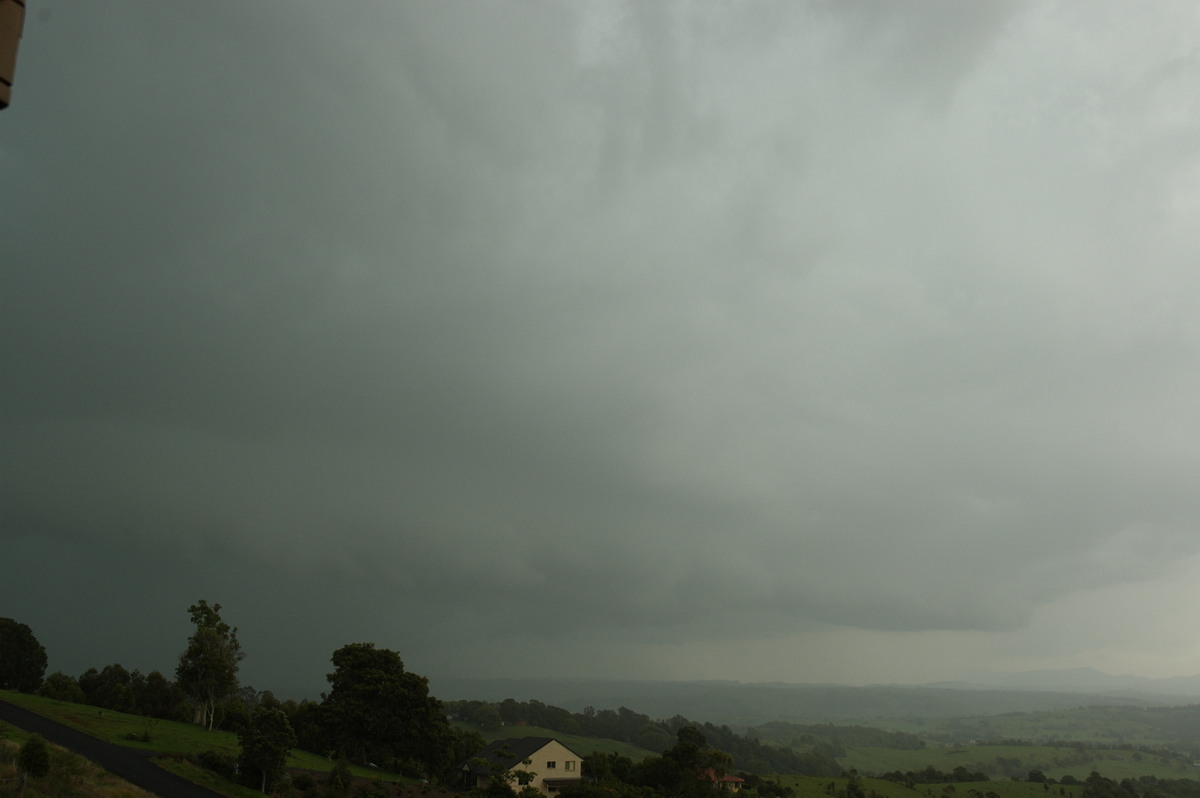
(70, 774)
(165, 736)
(205, 778)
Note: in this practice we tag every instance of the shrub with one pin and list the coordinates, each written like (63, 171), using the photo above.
(34, 758)
(218, 762)
(339, 778)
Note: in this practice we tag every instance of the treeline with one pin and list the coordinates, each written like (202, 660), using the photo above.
(1097, 786)
(1175, 726)
(113, 687)
(1083, 747)
(691, 768)
(931, 775)
(625, 725)
(375, 712)
(1065, 755)
(430, 746)
(834, 740)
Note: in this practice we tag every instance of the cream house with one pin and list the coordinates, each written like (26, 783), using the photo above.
(549, 764)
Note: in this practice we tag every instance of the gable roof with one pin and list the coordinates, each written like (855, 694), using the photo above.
(509, 753)
(711, 775)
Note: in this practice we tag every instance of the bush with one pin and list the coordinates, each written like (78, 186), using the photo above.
(34, 758)
(339, 778)
(218, 762)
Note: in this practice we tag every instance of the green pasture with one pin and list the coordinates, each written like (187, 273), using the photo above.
(1096, 724)
(1001, 762)
(166, 736)
(819, 787)
(205, 778)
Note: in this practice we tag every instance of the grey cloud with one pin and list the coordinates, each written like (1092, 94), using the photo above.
(673, 323)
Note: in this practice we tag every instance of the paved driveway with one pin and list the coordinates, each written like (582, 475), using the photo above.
(131, 764)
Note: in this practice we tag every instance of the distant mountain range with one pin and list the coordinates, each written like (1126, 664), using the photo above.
(1092, 680)
(752, 704)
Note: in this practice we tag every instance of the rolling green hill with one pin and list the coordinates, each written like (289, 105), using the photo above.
(166, 737)
(580, 745)
(1173, 726)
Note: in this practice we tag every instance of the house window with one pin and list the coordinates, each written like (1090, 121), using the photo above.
(569, 764)
(551, 765)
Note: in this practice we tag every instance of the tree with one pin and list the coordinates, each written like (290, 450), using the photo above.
(606, 768)
(22, 657)
(377, 711)
(207, 670)
(110, 688)
(266, 741)
(160, 698)
(307, 721)
(340, 778)
(61, 687)
(486, 716)
(463, 744)
(689, 768)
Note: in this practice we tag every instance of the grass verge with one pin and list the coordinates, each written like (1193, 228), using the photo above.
(165, 736)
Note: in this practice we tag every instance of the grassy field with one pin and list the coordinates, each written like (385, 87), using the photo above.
(205, 778)
(1172, 727)
(818, 787)
(1004, 761)
(999, 762)
(580, 745)
(165, 736)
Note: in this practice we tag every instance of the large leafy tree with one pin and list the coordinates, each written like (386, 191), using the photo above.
(111, 688)
(376, 711)
(266, 741)
(159, 697)
(22, 657)
(207, 670)
(689, 769)
(61, 687)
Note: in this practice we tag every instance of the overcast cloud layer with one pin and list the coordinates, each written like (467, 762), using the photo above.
(837, 341)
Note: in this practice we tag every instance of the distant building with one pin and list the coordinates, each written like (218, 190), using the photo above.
(722, 782)
(549, 763)
(12, 21)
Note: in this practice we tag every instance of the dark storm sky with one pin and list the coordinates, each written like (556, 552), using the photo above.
(606, 339)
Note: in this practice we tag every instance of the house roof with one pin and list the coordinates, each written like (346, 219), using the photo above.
(509, 753)
(711, 775)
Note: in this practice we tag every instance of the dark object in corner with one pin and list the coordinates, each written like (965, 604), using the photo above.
(12, 21)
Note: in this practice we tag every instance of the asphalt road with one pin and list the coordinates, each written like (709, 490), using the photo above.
(131, 764)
